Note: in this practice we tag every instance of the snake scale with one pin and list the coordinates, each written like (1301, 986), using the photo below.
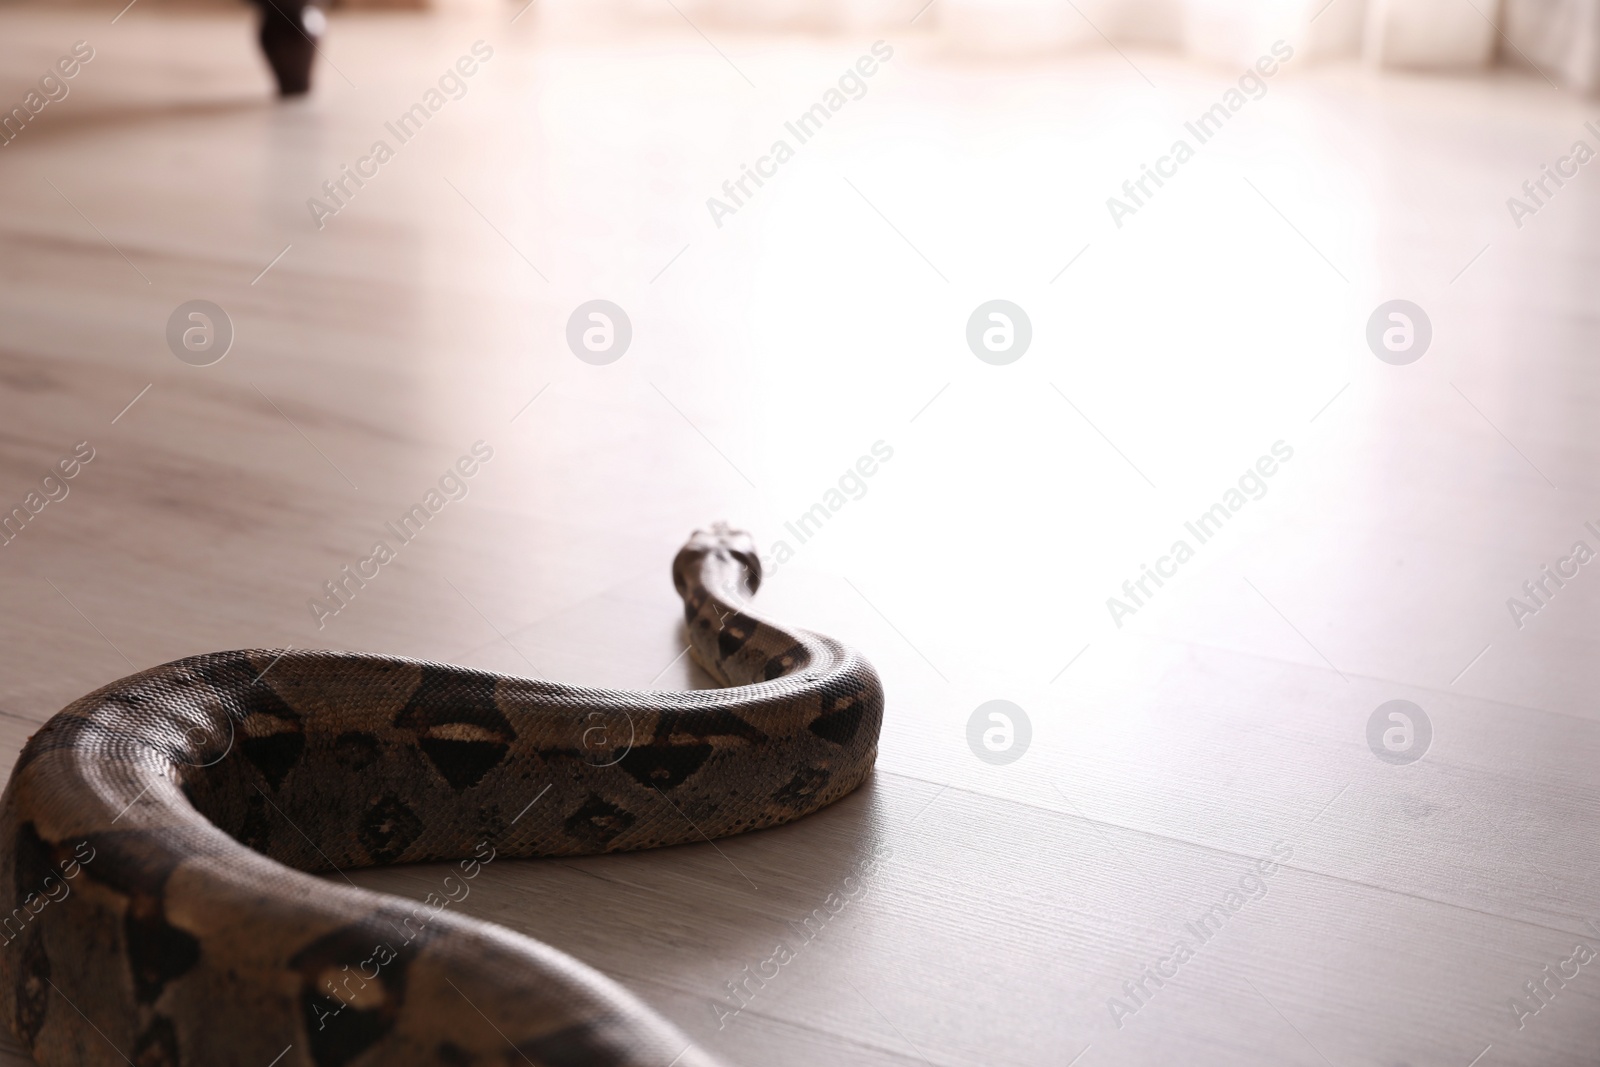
(156, 896)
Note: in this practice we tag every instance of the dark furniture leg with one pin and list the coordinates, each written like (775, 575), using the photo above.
(289, 31)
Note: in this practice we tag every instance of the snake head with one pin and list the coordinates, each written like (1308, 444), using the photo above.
(717, 557)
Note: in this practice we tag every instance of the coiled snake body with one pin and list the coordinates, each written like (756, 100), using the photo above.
(152, 893)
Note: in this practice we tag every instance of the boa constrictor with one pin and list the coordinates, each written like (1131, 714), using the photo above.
(154, 898)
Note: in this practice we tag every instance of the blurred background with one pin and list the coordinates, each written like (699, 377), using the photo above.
(1554, 35)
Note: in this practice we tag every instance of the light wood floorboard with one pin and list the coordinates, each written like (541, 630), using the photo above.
(1227, 716)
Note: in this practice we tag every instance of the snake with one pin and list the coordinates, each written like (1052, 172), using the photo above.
(173, 843)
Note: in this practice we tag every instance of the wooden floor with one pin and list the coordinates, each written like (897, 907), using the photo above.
(1173, 749)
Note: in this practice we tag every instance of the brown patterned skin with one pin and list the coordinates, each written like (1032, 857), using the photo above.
(153, 903)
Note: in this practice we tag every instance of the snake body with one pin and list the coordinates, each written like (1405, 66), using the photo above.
(155, 897)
